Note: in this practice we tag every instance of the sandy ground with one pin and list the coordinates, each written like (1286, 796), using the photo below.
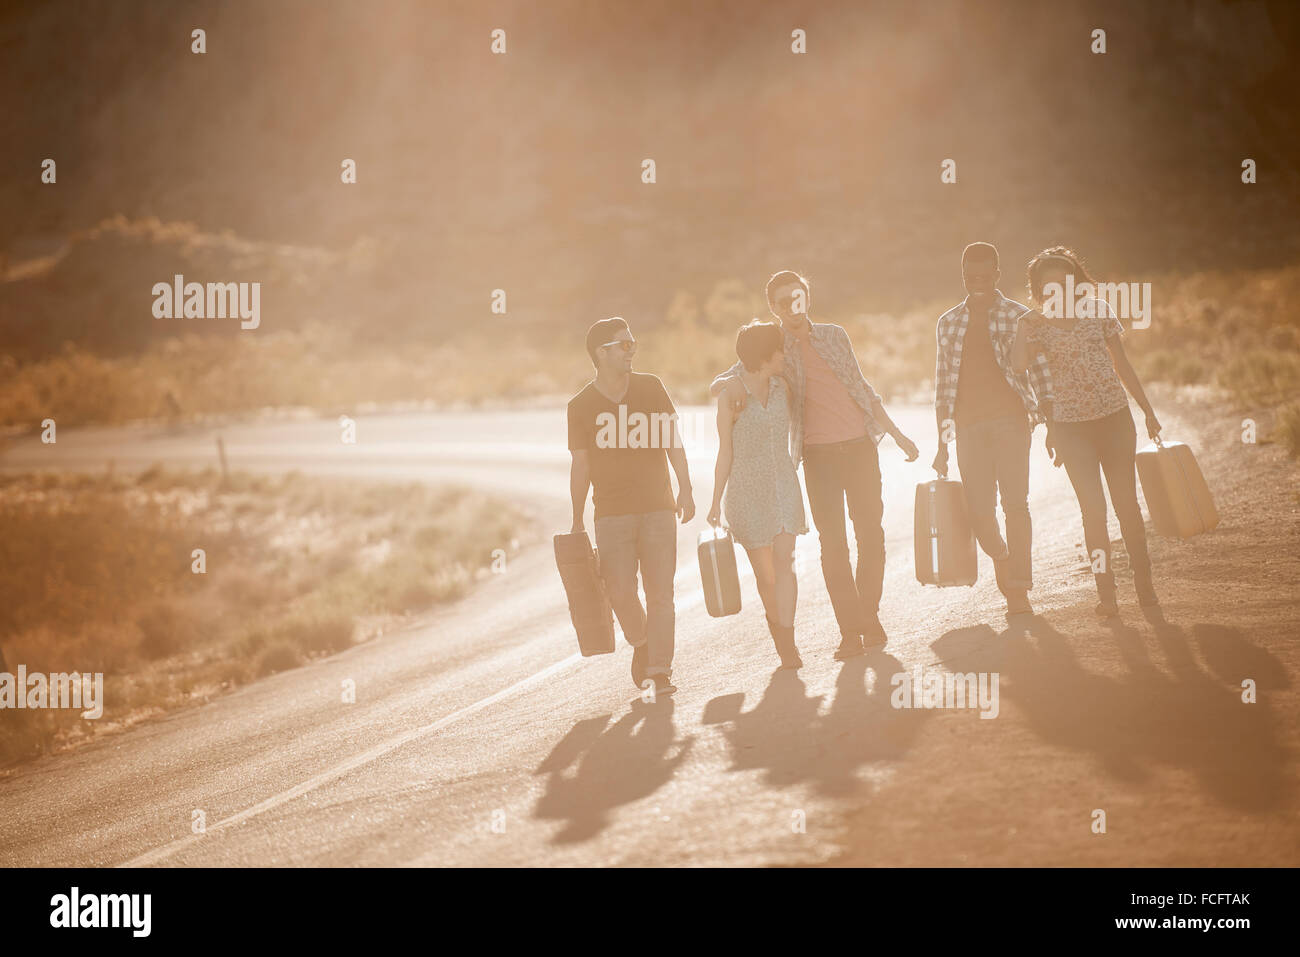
(1142, 720)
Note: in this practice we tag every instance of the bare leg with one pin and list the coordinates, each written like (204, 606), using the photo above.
(775, 579)
(760, 559)
(786, 584)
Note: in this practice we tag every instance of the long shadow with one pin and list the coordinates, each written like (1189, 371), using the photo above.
(616, 765)
(1179, 717)
(775, 735)
(961, 646)
(1233, 659)
(786, 737)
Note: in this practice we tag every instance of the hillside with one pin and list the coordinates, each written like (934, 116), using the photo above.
(521, 172)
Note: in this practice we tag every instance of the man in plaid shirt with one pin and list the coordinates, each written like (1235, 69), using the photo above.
(991, 411)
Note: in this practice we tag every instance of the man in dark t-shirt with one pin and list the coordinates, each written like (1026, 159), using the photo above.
(623, 435)
(629, 476)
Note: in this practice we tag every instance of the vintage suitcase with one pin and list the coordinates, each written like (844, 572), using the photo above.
(1177, 497)
(945, 542)
(589, 609)
(718, 572)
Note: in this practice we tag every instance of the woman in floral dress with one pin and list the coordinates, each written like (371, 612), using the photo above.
(755, 479)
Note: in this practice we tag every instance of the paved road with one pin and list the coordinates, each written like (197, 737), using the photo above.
(480, 737)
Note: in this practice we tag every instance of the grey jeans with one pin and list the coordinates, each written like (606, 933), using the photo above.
(994, 460)
(647, 540)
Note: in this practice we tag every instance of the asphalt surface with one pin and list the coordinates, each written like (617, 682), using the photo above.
(480, 737)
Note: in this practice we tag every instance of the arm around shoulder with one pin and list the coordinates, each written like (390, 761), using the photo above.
(720, 381)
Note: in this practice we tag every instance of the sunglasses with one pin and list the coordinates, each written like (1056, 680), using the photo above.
(627, 345)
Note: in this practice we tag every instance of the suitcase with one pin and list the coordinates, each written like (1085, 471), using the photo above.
(945, 541)
(589, 609)
(1177, 497)
(717, 553)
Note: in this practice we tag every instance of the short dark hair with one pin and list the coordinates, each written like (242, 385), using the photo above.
(980, 251)
(756, 342)
(602, 332)
(783, 277)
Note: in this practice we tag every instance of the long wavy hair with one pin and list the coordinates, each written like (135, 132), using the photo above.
(1034, 272)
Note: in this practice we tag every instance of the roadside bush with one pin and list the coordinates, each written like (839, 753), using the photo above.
(1288, 428)
(1178, 368)
(280, 656)
(319, 632)
(164, 630)
(1261, 376)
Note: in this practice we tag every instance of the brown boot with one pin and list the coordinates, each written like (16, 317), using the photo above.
(1018, 602)
(783, 638)
(1108, 607)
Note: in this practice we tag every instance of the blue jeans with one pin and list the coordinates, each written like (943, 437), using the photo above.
(648, 541)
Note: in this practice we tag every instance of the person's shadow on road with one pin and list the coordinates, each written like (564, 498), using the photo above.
(1179, 716)
(1182, 717)
(785, 736)
(617, 765)
(775, 735)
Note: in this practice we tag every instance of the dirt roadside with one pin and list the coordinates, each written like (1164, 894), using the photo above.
(1142, 720)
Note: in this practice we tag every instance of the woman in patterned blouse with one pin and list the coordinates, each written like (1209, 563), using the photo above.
(1092, 431)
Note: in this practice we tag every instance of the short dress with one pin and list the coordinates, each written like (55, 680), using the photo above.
(763, 497)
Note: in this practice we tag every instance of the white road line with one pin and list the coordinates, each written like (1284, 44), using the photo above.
(695, 597)
(351, 764)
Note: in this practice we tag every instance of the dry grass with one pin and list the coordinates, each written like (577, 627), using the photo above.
(1234, 330)
(98, 578)
(1237, 330)
(1288, 427)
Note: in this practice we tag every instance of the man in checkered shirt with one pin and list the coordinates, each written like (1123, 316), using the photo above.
(992, 411)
